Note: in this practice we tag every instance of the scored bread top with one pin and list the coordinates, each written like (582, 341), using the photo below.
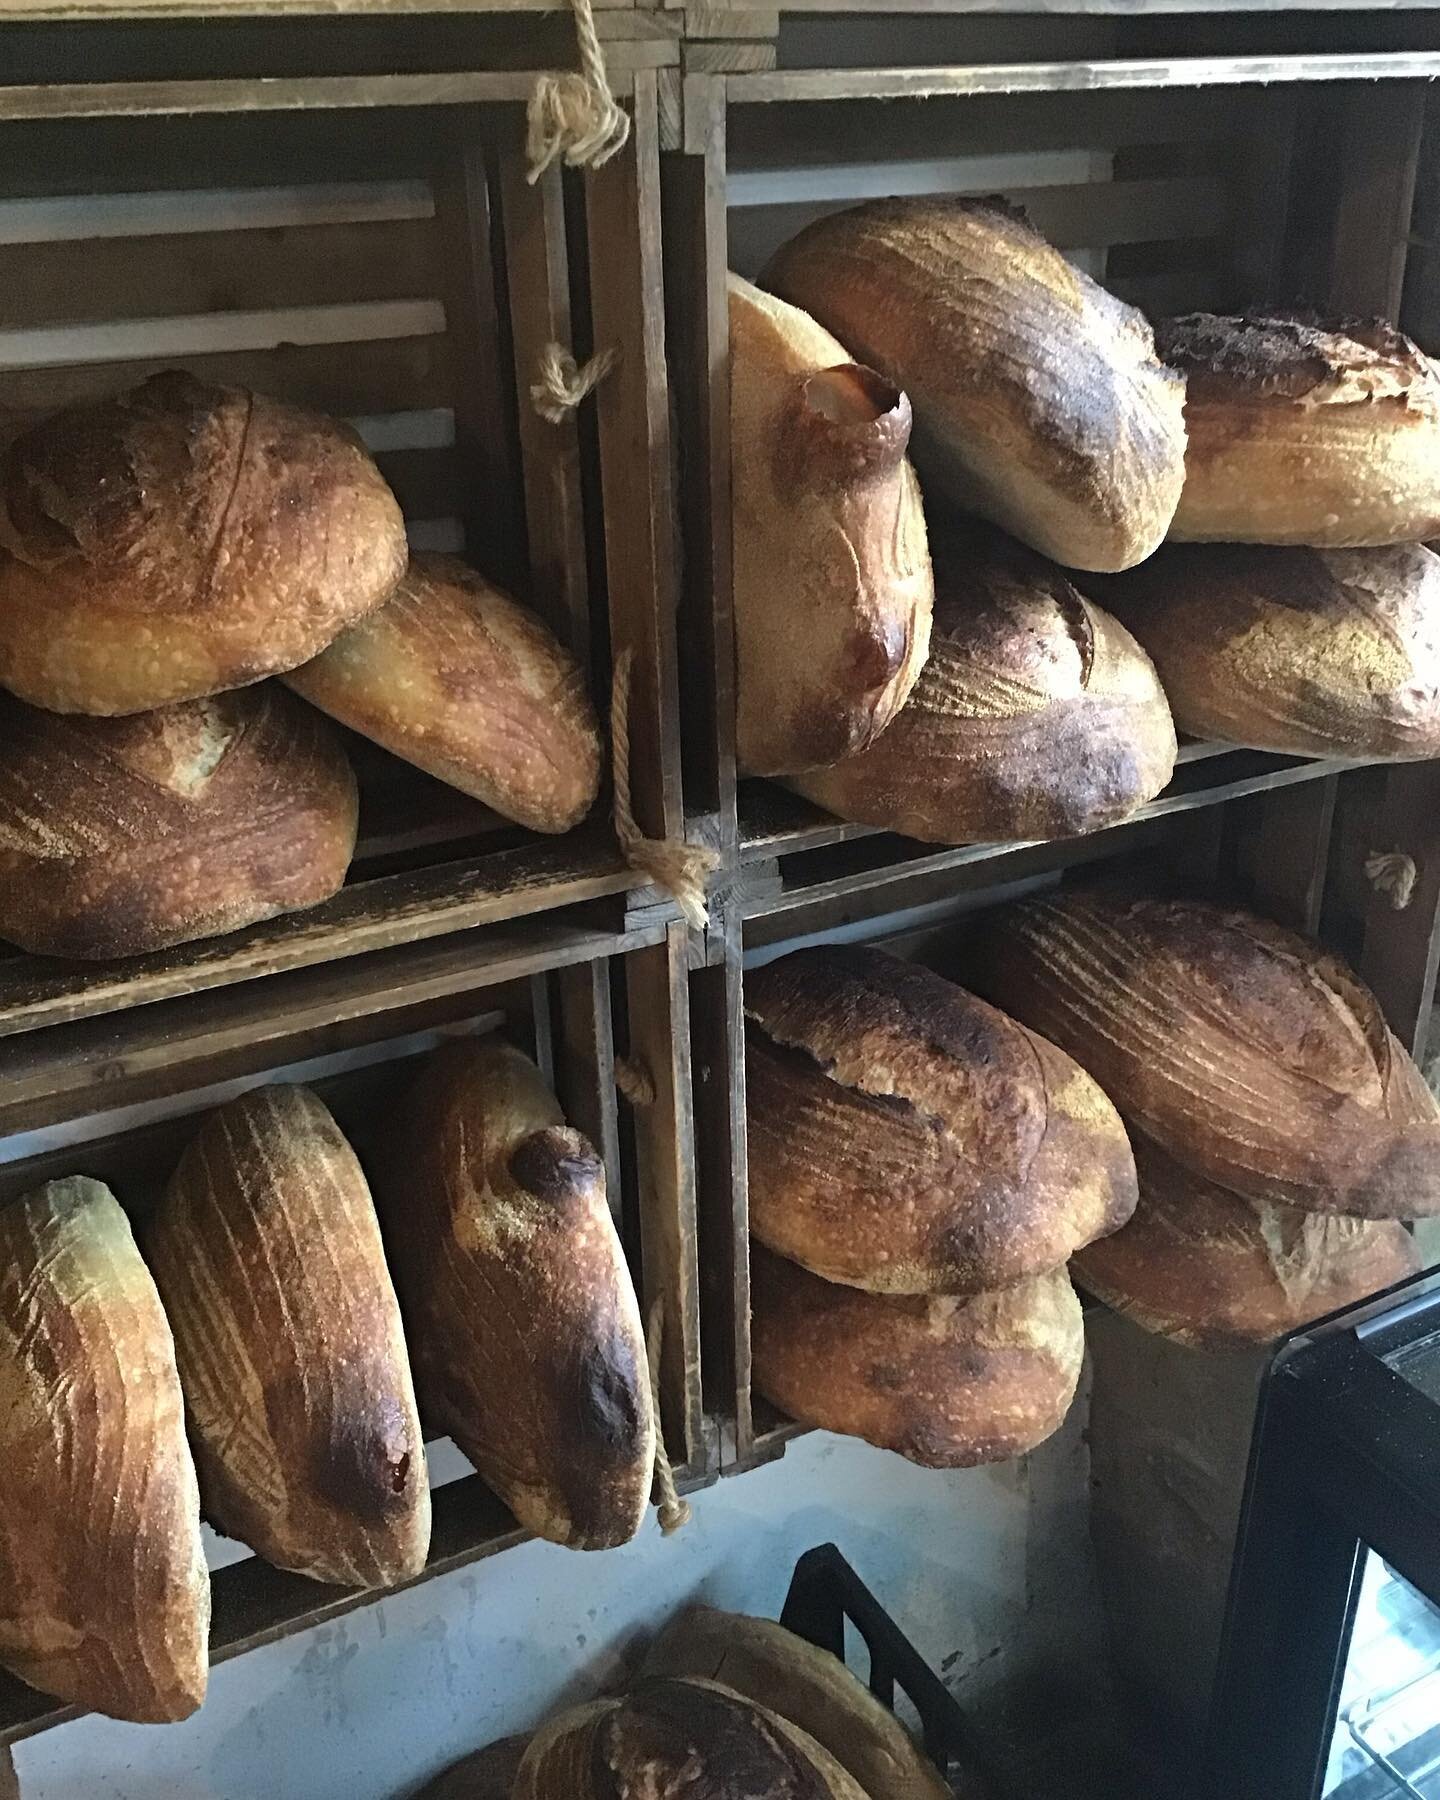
(1257, 357)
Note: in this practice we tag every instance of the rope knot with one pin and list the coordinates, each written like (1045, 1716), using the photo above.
(670, 1510)
(564, 383)
(634, 1081)
(575, 117)
(1392, 873)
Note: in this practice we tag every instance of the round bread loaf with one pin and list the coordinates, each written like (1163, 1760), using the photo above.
(460, 680)
(1257, 1060)
(946, 1381)
(1320, 652)
(1036, 716)
(1303, 433)
(1202, 1266)
(1039, 401)
(832, 583)
(180, 539)
(909, 1139)
(120, 836)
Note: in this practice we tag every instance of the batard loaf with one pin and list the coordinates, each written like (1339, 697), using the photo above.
(521, 1316)
(1039, 400)
(1305, 433)
(832, 578)
(104, 1594)
(1036, 715)
(119, 836)
(671, 1738)
(947, 1381)
(1202, 1266)
(456, 677)
(1255, 1059)
(1322, 652)
(266, 1251)
(907, 1138)
(181, 539)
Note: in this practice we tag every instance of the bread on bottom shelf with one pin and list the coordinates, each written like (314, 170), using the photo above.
(267, 1254)
(104, 1593)
(946, 1382)
(521, 1317)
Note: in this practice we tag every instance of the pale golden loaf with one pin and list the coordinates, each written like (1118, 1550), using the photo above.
(266, 1251)
(947, 1380)
(764, 1662)
(1202, 1266)
(104, 1593)
(1039, 400)
(1301, 433)
(522, 1320)
(907, 1138)
(120, 836)
(180, 539)
(1037, 715)
(832, 583)
(1318, 652)
(671, 1739)
(461, 680)
(1257, 1060)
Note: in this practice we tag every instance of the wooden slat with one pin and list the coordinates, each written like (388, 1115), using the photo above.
(1376, 154)
(1279, 852)
(585, 1055)
(429, 484)
(1400, 954)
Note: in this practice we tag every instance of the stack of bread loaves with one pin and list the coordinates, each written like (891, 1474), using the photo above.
(267, 1304)
(1281, 1131)
(160, 553)
(921, 1169)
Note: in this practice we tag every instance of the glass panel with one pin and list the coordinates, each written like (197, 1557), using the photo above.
(1386, 1744)
(1419, 1364)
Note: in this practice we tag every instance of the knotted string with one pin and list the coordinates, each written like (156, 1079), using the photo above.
(670, 1510)
(1393, 873)
(575, 116)
(564, 383)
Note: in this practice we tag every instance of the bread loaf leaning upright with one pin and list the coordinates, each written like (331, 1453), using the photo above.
(180, 539)
(104, 1593)
(832, 578)
(520, 1313)
(120, 836)
(1039, 400)
(266, 1251)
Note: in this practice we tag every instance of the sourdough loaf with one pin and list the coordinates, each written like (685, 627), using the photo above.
(456, 677)
(1039, 401)
(946, 1381)
(1202, 1266)
(104, 1593)
(1036, 715)
(266, 1251)
(487, 1774)
(520, 1313)
(180, 539)
(832, 576)
(1320, 652)
(119, 836)
(1305, 433)
(1257, 1060)
(907, 1138)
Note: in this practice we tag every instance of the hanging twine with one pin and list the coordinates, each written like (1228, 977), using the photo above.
(575, 117)
(1391, 872)
(678, 868)
(563, 383)
(671, 1511)
(634, 1081)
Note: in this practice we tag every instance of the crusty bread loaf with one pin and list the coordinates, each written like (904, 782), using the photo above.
(266, 1251)
(907, 1138)
(1202, 1266)
(1255, 1059)
(764, 1662)
(831, 567)
(119, 836)
(946, 1381)
(180, 539)
(671, 1738)
(1321, 652)
(521, 1316)
(487, 1774)
(1036, 716)
(1300, 433)
(104, 1594)
(1039, 401)
(456, 677)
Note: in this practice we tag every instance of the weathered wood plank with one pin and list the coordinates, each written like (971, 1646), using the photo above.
(585, 1054)
(1375, 155)
(297, 93)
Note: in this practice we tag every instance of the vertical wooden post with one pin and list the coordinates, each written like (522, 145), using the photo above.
(1280, 851)
(585, 1060)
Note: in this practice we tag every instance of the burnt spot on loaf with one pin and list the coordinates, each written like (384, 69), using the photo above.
(610, 1386)
(685, 1737)
(364, 1463)
(554, 1164)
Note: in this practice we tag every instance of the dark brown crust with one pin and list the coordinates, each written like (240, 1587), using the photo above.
(487, 1774)
(1261, 357)
(121, 836)
(946, 1382)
